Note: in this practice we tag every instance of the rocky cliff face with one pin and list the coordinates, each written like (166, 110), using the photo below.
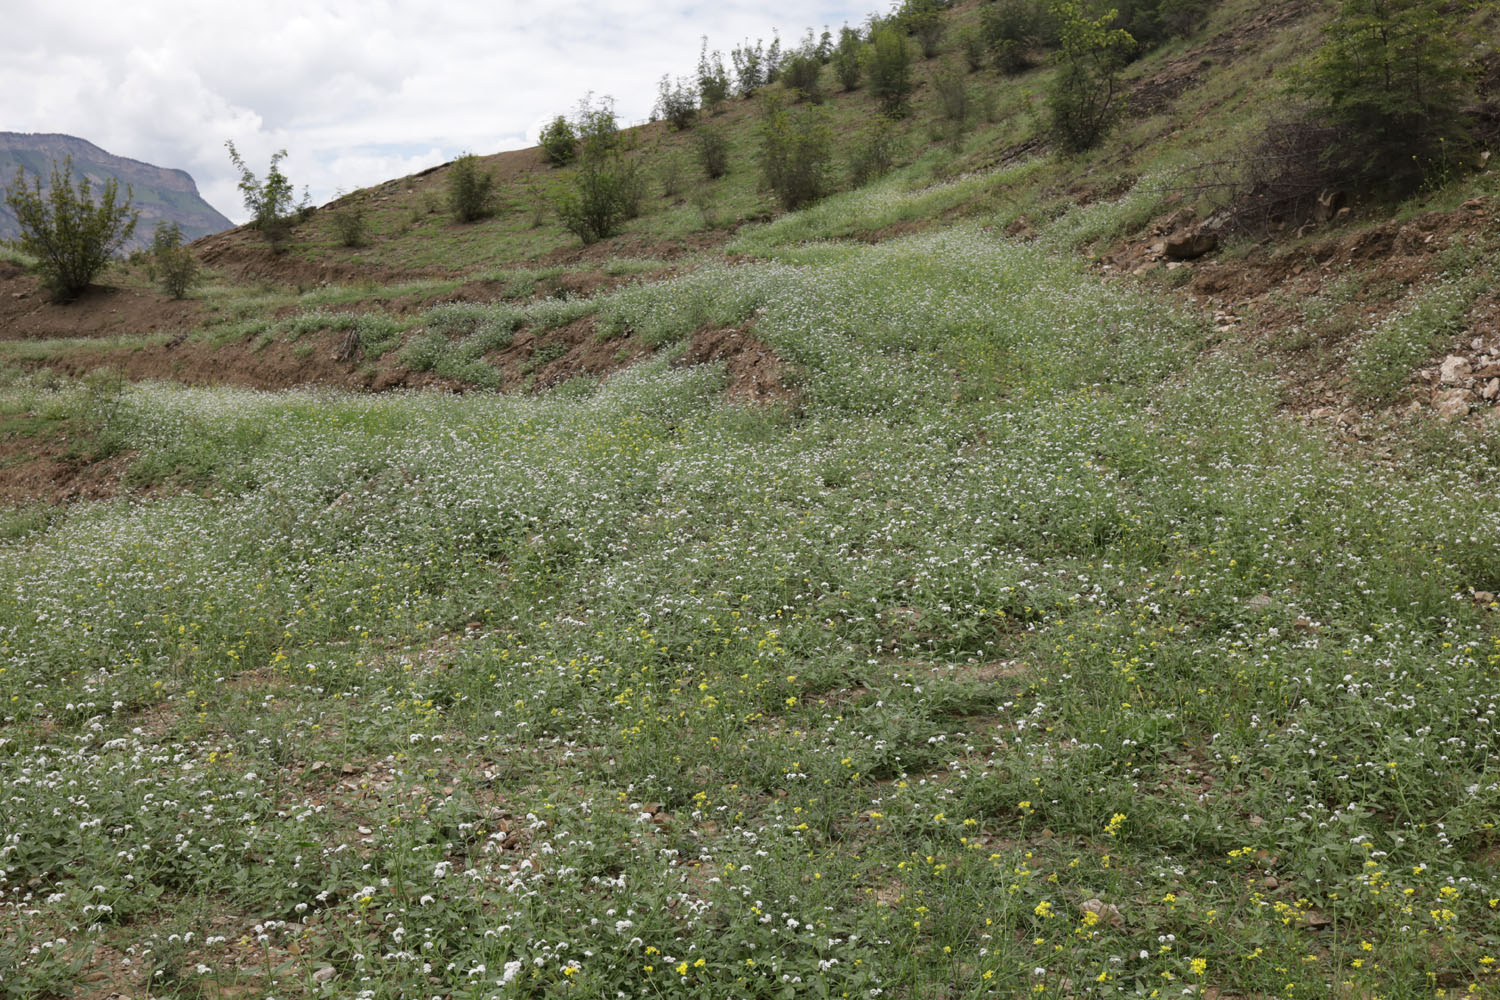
(160, 193)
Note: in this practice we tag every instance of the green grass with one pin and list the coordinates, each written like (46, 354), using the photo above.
(1016, 610)
(1028, 595)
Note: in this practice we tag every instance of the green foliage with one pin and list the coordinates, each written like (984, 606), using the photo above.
(1084, 101)
(471, 190)
(69, 234)
(875, 151)
(848, 58)
(270, 202)
(171, 263)
(951, 82)
(713, 80)
(606, 189)
(750, 69)
(711, 146)
(676, 102)
(923, 20)
(559, 141)
(971, 44)
(801, 75)
(1390, 78)
(890, 72)
(796, 153)
(350, 223)
(1382, 362)
(1013, 30)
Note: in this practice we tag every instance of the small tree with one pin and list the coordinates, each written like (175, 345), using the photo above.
(269, 202)
(713, 80)
(951, 82)
(749, 67)
(350, 223)
(676, 102)
(890, 71)
(70, 235)
(875, 152)
(796, 152)
(607, 189)
(801, 74)
(849, 58)
(1083, 104)
(559, 142)
(1011, 30)
(712, 149)
(470, 189)
(172, 264)
(1391, 82)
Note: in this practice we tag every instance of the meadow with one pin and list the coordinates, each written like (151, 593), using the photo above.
(1028, 648)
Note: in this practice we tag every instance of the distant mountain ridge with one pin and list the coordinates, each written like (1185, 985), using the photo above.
(160, 193)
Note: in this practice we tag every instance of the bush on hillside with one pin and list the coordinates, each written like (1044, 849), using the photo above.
(171, 264)
(923, 20)
(875, 152)
(801, 75)
(971, 44)
(713, 80)
(749, 68)
(269, 202)
(711, 146)
(890, 72)
(951, 83)
(1013, 30)
(848, 58)
(350, 223)
(796, 153)
(676, 102)
(471, 191)
(559, 141)
(1390, 82)
(1084, 101)
(69, 235)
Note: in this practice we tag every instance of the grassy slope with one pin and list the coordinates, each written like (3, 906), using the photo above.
(1033, 597)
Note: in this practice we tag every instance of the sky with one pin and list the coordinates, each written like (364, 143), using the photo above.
(355, 92)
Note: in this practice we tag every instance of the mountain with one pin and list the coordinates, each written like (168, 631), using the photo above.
(160, 193)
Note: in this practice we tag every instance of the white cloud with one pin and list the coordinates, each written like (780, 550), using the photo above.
(356, 93)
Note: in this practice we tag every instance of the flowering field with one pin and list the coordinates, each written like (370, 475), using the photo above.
(1030, 651)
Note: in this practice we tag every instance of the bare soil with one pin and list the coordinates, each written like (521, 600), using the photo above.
(27, 313)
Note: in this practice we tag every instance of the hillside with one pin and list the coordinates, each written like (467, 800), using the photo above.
(1002, 577)
(161, 194)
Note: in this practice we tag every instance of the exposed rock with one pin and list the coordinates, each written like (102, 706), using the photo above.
(323, 975)
(1451, 405)
(1260, 602)
(1191, 246)
(1491, 389)
(1454, 369)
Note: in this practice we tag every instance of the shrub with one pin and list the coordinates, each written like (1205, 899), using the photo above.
(801, 74)
(890, 72)
(923, 20)
(1390, 81)
(471, 193)
(68, 234)
(796, 152)
(849, 58)
(952, 86)
(269, 202)
(350, 224)
(749, 67)
(669, 174)
(971, 44)
(1083, 104)
(1011, 30)
(712, 148)
(603, 196)
(171, 264)
(713, 80)
(676, 103)
(559, 141)
(597, 127)
(875, 152)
